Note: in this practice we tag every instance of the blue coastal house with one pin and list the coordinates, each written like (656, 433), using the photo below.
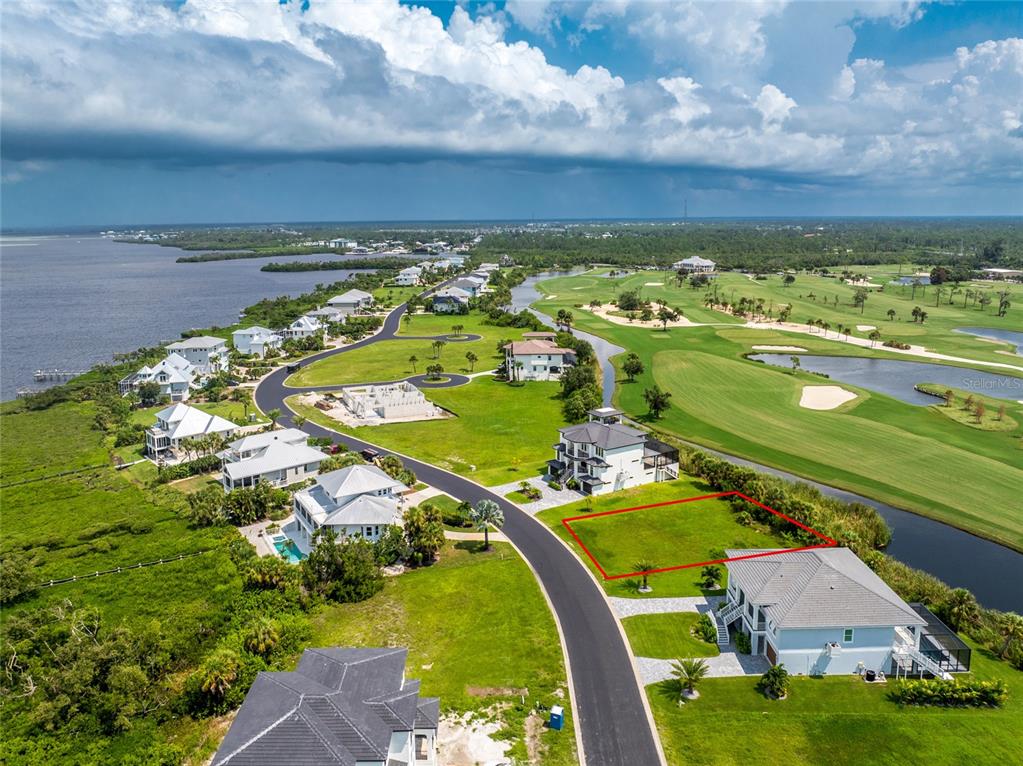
(825, 612)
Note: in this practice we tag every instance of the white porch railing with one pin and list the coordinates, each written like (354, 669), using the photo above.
(906, 654)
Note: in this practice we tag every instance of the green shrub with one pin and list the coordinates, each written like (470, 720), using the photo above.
(775, 682)
(742, 643)
(705, 630)
(956, 693)
(204, 464)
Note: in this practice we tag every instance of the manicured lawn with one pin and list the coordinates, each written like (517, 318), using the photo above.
(517, 497)
(500, 434)
(962, 409)
(478, 631)
(725, 402)
(392, 295)
(668, 536)
(666, 636)
(840, 721)
(234, 411)
(388, 360)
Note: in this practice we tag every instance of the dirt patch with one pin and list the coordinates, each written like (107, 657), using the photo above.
(462, 741)
(824, 397)
(496, 691)
(534, 730)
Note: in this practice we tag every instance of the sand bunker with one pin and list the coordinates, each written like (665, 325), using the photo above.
(778, 348)
(865, 327)
(604, 312)
(653, 284)
(824, 397)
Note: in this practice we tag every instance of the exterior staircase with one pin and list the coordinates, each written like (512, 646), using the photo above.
(723, 619)
(907, 652)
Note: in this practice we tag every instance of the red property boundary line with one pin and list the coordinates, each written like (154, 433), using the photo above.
(828, 542)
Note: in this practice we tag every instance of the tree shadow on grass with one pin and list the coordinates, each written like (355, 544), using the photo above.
(670, 689)
(472, 547)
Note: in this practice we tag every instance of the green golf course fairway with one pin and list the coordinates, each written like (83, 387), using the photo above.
(911, 457)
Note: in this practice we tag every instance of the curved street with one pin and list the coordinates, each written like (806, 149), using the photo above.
(608, 702)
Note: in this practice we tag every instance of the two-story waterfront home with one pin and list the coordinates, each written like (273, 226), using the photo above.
(178, 422)
(536, 359)
(174, 374)
(825, 612)
(694, 265)
(339, 707)
(279, 458)
(603, 455)
(209, 355)
(256, 341)
(451, 300)
(352, 301)
(357, 500)
(408, 277)
(303, 327)
(472, 285)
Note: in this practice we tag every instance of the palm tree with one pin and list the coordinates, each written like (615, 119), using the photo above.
(961, 609)
(457, 329)
(875, 336)
(412, 360)
(298, 421)
(891, 315)
(644, 567)
(1011, 629)
(471, 358)
(263, 637)
(688, 674)
(484, 514)
(795, 363)
(437, 346)
(274, 415)
(518, 370)
(218, 672)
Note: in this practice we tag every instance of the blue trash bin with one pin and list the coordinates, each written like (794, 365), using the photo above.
(557, 719)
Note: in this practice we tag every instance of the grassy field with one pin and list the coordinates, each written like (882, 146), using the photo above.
(479, 633)
(962, 409)
(851, 447)
(97, 520)
(666, 636)
(668, 536)
(500, 433)
(840, 721)
(388, 360)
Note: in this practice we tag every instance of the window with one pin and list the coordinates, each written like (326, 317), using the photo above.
(422, 747)
(847, 635)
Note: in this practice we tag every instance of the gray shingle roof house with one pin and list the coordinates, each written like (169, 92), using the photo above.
(821, 611)
(340, 707)
(605, 455)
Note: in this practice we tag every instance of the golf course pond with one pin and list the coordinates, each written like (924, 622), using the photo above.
(897, 379)
(993, 333)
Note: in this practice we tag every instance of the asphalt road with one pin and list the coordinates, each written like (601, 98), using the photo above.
(609, 709)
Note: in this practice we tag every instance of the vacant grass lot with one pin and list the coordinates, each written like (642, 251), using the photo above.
(668, 536)
(236, 412)
(840, 721)
(389, 360)
(666, 636)
(501, 433)
(752, 410)
(478, 631)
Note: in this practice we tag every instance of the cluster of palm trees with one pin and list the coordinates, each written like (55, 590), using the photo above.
(825, 327)
(202, 446)
(564, 320)
(919, 315)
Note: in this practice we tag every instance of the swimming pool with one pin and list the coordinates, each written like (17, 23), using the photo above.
(287, 549)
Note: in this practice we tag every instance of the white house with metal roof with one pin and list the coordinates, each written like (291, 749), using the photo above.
(303, 327)
(178, 422)
(352, 301)
(339, 707)
(357, 500)
(255, 340)
(327, 315)
(279, 458)
(174, 374)
(603, 455)
(209, 355)
(694, 265)
(823, 612)
(409, 277)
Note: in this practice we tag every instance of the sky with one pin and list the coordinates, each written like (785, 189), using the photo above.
(215, 111)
